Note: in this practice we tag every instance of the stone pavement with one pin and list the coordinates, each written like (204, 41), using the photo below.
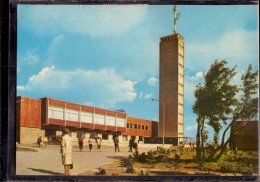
(47, 161)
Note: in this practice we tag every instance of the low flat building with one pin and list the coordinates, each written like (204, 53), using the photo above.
(47, 117)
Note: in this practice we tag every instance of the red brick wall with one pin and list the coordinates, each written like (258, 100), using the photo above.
(87, 109)
(56, 122)
(54, 102)
(87, 125)
(138, 132)
(29, 112)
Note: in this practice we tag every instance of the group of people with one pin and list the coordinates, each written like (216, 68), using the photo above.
(98, 141)
(66, 148)
(133, 144)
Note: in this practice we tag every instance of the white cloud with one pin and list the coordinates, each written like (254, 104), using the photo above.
(197, 76)
(104, 85)
(22, 87)
(192, 127)
(97, 21)
(152, 81)
(41, 75)
(148, 96)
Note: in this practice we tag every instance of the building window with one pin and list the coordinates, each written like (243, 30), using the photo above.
(99, 119)
(105, 136)
(72, 115)
(142, 127)
(86, 117)
(55, 112)
(131, 125)
(111, 121)
(139, 127)
(135, 126)
(127, 125)
(146, 127)
(121, 122)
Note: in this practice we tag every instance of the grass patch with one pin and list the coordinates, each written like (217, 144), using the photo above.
(25, 149)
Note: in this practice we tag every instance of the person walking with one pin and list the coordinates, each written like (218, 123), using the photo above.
(131, 144)
(135, 145)
(39, 141)
(80, 141)
(116, 141)
(90, 141)
(66, 151)
(98, 142)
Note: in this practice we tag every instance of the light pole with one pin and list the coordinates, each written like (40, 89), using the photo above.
(153, 99)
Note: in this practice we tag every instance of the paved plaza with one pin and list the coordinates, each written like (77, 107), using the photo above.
(47, 161)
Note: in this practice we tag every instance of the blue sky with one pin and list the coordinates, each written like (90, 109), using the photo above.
(108, 56)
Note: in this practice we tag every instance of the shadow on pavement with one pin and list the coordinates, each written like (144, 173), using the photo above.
(46, 171)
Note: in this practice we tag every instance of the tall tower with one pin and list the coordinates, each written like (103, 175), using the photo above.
(171, 105)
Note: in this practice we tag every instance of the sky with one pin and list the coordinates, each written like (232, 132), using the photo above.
(108, 55)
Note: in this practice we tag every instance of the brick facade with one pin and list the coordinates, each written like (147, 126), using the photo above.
(47, 117)
(171, 105)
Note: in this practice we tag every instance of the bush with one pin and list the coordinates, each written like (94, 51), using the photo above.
(130, 169)
(142, 158)
(177, 157)
(101, 171)
(128, 162)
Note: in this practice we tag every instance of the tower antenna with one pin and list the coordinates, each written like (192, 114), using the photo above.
(174, 23)
(176, 18)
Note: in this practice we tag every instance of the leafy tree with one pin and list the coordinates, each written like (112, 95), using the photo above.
(246, 107)
(217, 102)
(213, 102)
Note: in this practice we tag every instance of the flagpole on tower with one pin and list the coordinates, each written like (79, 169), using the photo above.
(175, 17)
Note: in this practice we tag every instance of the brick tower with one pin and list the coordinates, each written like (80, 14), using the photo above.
(171, 105)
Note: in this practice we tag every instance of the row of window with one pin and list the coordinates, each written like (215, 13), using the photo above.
(136, 126)
(85, 117)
